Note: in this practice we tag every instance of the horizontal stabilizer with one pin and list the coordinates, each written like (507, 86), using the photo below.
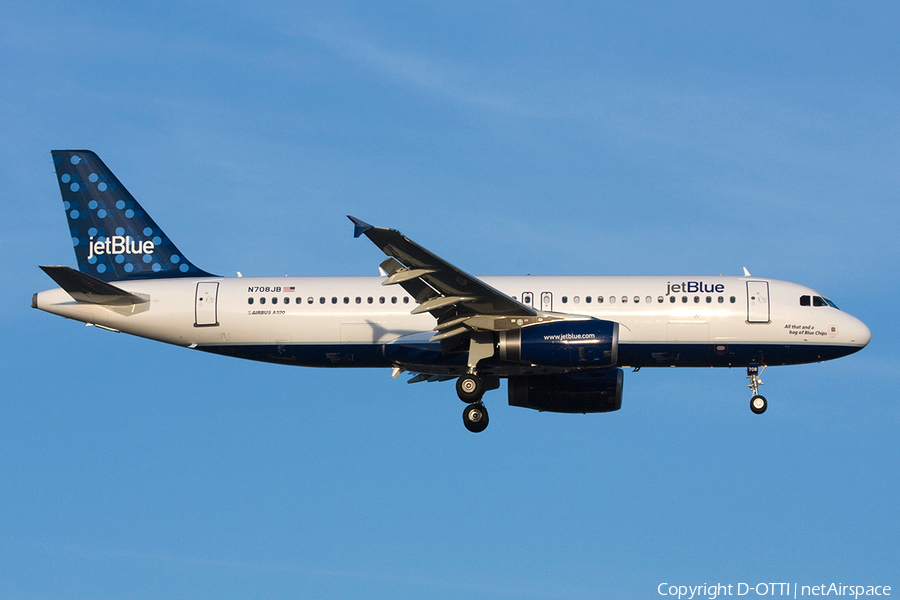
(84, 288)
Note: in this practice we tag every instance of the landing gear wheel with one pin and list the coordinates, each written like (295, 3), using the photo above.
(758, 404)
(475, 417)
(470, 388)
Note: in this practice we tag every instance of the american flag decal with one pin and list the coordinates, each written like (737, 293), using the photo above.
(289, 288)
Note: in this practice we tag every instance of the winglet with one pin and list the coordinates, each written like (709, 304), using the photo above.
(359, 227)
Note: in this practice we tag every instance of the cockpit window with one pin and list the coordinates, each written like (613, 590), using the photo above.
(816, 301)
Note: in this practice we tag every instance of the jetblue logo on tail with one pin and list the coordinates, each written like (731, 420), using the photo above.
(113, 236)
(119, 244)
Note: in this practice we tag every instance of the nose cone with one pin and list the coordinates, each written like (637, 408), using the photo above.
(859, 333)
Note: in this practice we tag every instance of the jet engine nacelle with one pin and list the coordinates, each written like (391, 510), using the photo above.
(591, 391)
(588, 343)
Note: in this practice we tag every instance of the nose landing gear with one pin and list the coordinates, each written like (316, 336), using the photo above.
(758, 404)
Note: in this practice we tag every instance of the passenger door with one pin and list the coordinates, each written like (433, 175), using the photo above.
(758, 302)
(205, 304)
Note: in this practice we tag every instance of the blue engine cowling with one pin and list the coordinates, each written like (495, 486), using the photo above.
(591, 391)
(578, 344)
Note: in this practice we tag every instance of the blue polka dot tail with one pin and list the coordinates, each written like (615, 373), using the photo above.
(114, 238)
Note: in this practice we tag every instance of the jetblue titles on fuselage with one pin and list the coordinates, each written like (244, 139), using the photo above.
(694, 287)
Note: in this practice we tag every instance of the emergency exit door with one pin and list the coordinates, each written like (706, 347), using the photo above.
(758, 302)
(205, 304)
(546, 301)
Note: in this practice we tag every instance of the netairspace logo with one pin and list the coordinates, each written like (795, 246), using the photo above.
(791, 590)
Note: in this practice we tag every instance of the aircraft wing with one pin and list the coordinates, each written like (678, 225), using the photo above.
(460, 302)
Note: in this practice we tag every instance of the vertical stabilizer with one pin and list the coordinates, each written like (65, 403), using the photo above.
(114, 237)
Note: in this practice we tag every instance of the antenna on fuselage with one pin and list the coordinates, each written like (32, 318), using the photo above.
(746, 272)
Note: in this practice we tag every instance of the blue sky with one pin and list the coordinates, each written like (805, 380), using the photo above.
(508, 138)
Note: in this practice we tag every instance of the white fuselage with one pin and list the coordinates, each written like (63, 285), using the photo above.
(345, 321)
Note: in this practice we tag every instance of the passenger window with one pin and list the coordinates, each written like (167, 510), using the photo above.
(576, 299)
(600, 300)
(721, 299)
(381, 300)
(660, 299)
(637, 299)
(346, 300)
(334, 299)
(612, 299)
(587, 299)
(358, 300)
(648, 299)
(624, 299)
(262, 300)
(565, 299)
(696, 299)
(709, 299)
(684, 299)
(287, 300)
(249, 300)
(671, 299)
(274, 300)
(405, 299)
(322, 300)
(804, 301)
(310, 300)
(733, 299)
(370, 300)
(394, 300)
(298, 300)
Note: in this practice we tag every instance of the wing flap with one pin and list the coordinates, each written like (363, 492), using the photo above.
(439, 302)
(406, 275)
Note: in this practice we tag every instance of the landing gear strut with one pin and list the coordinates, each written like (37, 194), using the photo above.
(758, 403)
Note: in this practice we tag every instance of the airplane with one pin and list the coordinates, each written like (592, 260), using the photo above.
(562, 343)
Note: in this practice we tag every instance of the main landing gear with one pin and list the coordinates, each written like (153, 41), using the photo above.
(758, 403)
(470, 388)
(475, 417)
